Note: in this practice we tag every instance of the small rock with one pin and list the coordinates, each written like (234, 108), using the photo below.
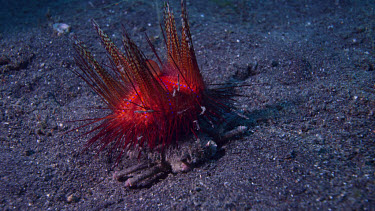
(61, 28)
(72, 198)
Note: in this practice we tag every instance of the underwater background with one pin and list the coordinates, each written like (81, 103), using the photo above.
(309, 70)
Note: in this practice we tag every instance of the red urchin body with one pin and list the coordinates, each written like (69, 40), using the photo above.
(152, 104)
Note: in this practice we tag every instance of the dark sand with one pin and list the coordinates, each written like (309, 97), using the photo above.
(310, 143)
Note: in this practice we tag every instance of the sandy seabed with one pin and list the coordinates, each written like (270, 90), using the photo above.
(311, 99)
